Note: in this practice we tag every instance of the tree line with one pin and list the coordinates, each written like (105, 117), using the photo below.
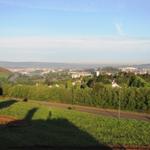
(131, 98)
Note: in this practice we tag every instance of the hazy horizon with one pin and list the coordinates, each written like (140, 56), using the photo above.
(76, 63)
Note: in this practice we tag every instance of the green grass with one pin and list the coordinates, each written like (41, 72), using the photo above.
(60, 127)
(4, 75)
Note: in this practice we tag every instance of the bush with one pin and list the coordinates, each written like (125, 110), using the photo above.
(134, 99)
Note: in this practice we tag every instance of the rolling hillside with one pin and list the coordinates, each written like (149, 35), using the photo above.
(4, 71)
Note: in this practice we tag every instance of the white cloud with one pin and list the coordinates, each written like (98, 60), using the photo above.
(119, 28)
(90, 44)
(110, 49)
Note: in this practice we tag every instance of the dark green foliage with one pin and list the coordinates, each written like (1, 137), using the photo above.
(105, 79)
(136, 81)
(25, 99)
(83, 86)
(122, 78)
(134, 99)
(91, 83)
(17, 78)
(57, 77)
(146, 77)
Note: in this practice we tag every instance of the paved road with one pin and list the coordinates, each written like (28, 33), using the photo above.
(99, 111)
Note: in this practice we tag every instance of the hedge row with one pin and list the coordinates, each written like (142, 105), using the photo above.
(134, 99)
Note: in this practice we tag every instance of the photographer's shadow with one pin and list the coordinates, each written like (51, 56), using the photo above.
(50, 133)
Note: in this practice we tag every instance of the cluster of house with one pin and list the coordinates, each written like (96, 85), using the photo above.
(135, 70)
(76, 74)
(79, 74)
(33, 71)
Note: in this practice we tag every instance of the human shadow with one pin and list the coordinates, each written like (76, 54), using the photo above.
(5, 104)
(30, 114)
(50, 133)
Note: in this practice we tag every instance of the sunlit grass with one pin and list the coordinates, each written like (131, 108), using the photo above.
(50, 124)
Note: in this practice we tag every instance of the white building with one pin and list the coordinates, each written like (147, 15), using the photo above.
(129, 69)
(114, 84)
(76, 75)
(97, 73)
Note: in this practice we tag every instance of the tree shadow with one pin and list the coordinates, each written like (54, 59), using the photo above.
(7, 103)
(50, 134)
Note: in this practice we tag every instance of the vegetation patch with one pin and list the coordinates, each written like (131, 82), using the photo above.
(62, 127)
(133, 99)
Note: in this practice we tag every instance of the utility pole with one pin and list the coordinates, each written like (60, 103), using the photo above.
(119, 109)
(119, 104)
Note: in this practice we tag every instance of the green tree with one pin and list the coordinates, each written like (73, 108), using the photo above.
(136, 81)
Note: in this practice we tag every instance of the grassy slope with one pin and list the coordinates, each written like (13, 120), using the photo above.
(3, 70)
(67, 127)
(4, 73)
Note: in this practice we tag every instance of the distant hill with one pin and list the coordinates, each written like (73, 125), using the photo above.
(142, 66)
(54, 65)
(49, 65)
(4, 71)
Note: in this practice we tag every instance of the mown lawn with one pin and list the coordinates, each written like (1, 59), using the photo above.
(60, 127)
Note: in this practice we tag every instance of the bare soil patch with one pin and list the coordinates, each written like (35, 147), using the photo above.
(100, 111)
(10, 121)
(6, 119)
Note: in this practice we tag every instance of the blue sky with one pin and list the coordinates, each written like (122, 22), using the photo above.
(95, 31)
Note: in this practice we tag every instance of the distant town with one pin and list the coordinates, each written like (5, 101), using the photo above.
(77, 73)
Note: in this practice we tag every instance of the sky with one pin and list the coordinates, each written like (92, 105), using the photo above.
(80, 31)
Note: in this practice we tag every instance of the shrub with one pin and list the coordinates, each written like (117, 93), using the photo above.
(134, 99)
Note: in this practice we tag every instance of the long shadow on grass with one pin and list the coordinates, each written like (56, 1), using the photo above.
(53, 134)
(8, 103)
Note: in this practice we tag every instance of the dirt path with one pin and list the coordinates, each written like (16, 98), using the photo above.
(100, 111)
(6, 119)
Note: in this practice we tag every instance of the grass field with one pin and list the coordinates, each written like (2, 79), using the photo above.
(50, 126)
(3, 75)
